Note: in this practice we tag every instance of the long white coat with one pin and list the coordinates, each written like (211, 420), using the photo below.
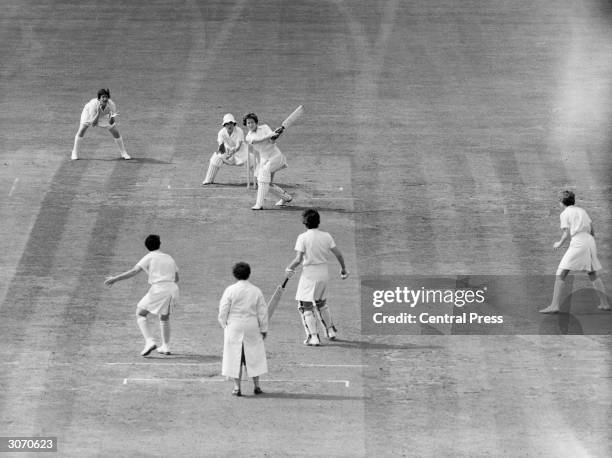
(243, 314)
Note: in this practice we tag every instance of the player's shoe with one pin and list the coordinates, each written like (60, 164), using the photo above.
(550, 309)
(148, 348)
(125, 156)
(257, 207)
(607, 308)
(164, 350)
(331, 333)
(206, 183)
(313, 340)
(283, 202)
(74, 156)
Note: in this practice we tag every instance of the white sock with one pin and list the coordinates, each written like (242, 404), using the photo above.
(77, 144)
(165, 332)
(119, 142)
(262, 192)
(143, 324)
(558, 293)
(601, 292)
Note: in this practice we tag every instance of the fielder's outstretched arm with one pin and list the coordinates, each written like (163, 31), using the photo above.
(123, 276)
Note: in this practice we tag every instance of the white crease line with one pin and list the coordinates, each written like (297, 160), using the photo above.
(13, 187)
(152, 363)
(333, 365)
(346, 383)
(163, 364)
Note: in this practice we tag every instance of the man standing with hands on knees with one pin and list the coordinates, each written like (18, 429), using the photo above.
(100, 112)
(312, 248)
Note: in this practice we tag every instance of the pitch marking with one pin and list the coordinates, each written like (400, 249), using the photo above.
(13, 187)
(346, 383)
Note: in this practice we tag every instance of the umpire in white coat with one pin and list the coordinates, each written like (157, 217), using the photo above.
(243, 314)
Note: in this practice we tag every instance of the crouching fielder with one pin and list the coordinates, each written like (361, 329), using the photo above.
(581, 254)
(161, 297)
(271, 160)
(232, 149)
(100, 112)
(312, 248)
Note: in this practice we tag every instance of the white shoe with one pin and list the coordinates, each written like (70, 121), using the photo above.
(206, 183)
(331, 333)
(257, 207)
(283, 202)
(74, 157)
(314, 341)
(126, 156)
(148, 348)
(164, 350)
(550, 309)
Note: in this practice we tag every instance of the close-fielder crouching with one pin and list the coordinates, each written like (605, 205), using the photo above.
(271, 160)
(161, 297)
(100, 112)
(232, 149)
(312, 248)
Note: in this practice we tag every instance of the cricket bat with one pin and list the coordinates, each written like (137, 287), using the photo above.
(293, 117)
(276, 297)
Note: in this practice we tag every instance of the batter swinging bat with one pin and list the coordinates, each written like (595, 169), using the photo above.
(293, 117)
(276, 297)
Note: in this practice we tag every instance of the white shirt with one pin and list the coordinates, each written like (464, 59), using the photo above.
(230, 141)
(159, 266)
(266, 149)
(243, 301)
(91, 109)
(575, 219)
(316, 246)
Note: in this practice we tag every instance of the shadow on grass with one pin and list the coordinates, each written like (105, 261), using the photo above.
(365, 345)
(299, 208)
(134, 160)
(306, 396)
(185, 357)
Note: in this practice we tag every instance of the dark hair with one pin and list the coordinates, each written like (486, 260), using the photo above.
(152, 242)
(253, 116)
(241, 270)
(568, 198)
(102, 92)
(311, 218)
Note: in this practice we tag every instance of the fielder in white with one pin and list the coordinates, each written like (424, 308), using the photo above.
(313, 248)
(243, 315)
(161, 297)
(100, 112)
(581, 254)
(270, 159)
(232, 149)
